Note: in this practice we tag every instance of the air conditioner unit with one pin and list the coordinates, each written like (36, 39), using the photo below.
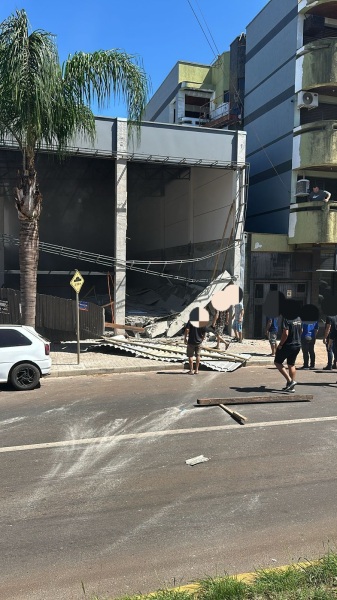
(307, 100)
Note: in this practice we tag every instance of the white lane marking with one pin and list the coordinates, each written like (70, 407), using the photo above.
(152, 434)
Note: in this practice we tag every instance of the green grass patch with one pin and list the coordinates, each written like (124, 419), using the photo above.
(218, 588)
(315, 580)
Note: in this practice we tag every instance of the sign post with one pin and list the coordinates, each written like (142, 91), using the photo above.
(76, 283)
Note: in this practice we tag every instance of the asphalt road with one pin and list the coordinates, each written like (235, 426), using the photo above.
(95, 488)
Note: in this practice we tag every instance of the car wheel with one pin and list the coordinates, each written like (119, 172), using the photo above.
(25, 376)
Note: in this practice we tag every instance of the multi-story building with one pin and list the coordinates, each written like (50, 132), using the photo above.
(286, 65)
(203, 95)
(290, 112)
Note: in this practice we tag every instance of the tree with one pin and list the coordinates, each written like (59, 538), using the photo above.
(44, 102)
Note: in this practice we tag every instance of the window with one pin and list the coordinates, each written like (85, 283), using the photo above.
(259, 290)
(273, 287)
(301, 288)
(11, 337)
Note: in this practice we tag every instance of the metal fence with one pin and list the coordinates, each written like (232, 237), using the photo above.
(55, 317)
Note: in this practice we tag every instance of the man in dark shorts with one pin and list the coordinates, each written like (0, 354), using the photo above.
(330, 340)
(288, 349)
(194, 337)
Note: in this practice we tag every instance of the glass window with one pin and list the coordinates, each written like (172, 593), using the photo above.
(11, 337)
(259, 290)
(273, 287)
(301, 288)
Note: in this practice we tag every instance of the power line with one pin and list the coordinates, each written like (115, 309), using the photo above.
(202, 29)
(108, 261)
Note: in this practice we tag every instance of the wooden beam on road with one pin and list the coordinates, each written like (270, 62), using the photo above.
(127, 327)
(265, 399)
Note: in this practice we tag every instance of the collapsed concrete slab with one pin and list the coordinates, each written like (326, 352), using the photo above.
(200, 301)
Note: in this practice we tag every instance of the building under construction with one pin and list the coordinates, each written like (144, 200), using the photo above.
(155, 208)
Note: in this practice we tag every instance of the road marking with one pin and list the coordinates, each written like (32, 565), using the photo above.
(151, 434)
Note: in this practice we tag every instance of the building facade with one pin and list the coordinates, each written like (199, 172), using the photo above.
(290, 112)
(151, 206)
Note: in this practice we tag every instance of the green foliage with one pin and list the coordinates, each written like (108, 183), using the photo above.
(323, 571)
(220, 588)
(313, 581)
(275, 581)
(44, 102)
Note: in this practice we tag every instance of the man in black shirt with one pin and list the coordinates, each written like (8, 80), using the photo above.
(288, 348)
(330, 340)
(194, 337)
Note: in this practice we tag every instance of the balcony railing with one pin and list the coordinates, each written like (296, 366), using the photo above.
(313, 223)
(319, 65)
(315, 145)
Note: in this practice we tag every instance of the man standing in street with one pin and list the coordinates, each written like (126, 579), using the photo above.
(194, 337)
(288, 349)
(308, 339)
(238, 320)
(330, 340)
(271, 333)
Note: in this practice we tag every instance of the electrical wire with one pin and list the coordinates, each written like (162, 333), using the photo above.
(201, 27)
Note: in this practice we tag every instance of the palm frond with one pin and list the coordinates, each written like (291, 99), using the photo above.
(104, 73)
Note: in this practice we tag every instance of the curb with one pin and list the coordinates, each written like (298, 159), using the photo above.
(248, 578)
(76, 370)
(73, 372)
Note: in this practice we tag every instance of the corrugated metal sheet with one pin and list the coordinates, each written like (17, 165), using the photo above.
(170, 352)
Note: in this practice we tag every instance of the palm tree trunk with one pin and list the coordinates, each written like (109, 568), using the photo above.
(28, 258)
(28, 202)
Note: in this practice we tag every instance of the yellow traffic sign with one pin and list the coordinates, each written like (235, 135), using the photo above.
(77, 282)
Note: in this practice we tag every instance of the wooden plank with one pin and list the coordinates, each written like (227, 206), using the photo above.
(286, 397)
(238, 417)
(128, 327)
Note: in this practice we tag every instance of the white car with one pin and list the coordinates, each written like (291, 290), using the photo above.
(24, 356)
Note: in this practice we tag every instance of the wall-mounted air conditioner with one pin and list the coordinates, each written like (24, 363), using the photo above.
(307, 99)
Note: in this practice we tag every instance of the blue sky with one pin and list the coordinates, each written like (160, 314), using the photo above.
(160, 32)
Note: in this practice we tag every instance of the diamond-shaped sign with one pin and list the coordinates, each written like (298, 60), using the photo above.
(77, 282)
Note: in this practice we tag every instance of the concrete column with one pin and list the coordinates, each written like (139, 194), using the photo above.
(180, 105)
(238, 226)
(239, 189)
(120, 221)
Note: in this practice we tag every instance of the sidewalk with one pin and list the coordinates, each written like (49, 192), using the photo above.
(64, 359)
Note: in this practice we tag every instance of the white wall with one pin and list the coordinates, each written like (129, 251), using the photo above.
(191, 211)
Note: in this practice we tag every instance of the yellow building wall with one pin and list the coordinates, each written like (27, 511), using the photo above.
(269, 242)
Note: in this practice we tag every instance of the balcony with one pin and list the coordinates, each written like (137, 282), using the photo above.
(319, 66)
(315, 146)
(313, 223)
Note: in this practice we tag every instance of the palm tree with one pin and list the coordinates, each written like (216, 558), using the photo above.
(42, 101)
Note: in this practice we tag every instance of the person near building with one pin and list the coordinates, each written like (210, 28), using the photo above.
(318, 194)
(288, 349)
(194, 336)
(220, 323)
(308, 339)
(330, 340)
(271, 333)
(238, 321)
